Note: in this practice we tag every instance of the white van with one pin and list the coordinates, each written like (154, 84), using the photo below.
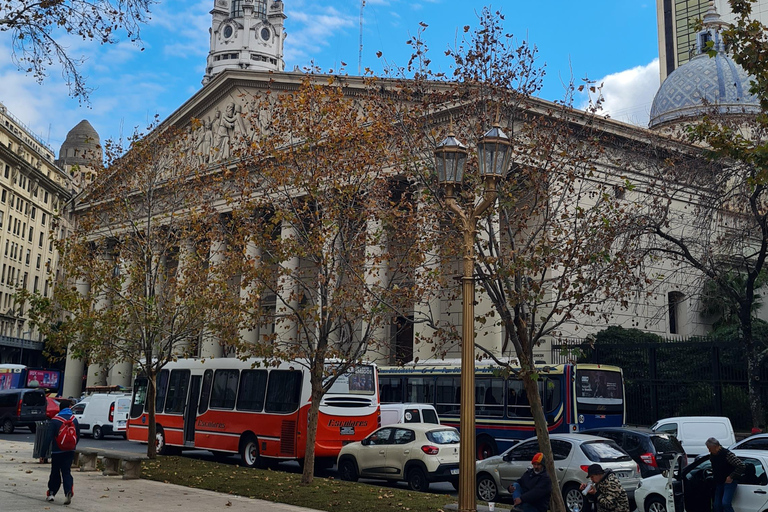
(693, 431)
(103, 414)
(408, 413)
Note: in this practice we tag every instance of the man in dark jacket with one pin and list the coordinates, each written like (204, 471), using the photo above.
(61, 460)
(532, 491)
(606, 489)
(726, 471)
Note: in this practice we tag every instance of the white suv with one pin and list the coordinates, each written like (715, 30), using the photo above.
(417, 453)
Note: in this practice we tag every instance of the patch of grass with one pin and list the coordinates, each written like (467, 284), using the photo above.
(321, 494)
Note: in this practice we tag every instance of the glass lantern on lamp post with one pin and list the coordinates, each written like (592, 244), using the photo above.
(494, 154)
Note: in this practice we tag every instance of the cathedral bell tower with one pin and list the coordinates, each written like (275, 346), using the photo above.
(246, 34)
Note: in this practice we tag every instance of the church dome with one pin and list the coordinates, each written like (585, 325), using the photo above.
(718, 80)
(81, 147)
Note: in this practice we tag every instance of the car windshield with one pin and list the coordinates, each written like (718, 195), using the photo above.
(601, 451)
(443, 436)
(666, 444)
(34, 399)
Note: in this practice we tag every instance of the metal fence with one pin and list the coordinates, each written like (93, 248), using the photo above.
(675, 377)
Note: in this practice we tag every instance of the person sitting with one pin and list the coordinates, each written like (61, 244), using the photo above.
(533, 490)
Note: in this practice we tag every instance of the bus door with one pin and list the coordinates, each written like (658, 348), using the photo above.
(190, 414)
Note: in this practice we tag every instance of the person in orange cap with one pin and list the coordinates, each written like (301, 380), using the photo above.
(533, 490)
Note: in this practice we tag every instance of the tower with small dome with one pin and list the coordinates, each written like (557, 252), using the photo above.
(79, 152)
(703, 83)
(246, 34)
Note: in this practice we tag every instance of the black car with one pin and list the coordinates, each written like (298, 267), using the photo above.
(21, 408)
(651, 450)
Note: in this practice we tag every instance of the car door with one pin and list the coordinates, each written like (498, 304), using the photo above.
(752, 492)
(399, 451)
(516, 462)
(372, 456)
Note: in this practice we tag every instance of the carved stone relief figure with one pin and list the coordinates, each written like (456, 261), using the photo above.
(229, 127)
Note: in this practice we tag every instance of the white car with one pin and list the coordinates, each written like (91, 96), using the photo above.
(690, 489)
(573, 453)
(753, 442)
(418, 453)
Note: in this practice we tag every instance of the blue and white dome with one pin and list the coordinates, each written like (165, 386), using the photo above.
(717, 80)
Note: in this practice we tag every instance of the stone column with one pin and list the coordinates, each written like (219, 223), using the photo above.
(210, 345)
(376, 279)
(490, 334)
(73, 369)
(97, 372)
(187, 260)
(287, 300)
(253, 257)
(430, 306)
(121, 373)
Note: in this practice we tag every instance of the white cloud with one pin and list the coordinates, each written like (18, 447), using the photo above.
(628, 94)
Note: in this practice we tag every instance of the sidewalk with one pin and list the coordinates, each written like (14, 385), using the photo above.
(23, 483)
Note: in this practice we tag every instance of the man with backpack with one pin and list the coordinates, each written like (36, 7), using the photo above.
(65, 434)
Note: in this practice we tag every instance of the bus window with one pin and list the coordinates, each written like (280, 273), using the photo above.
(253, 385)
(420, 390)
(448, 395)
(391, 390)
(162, 387)
(549, 390)
(489, 395)
(224, 389)
(178, 385)
(599, 391)
(283, 391)
(205, 392)
(356, 381)
(517, 400)
(139, 397)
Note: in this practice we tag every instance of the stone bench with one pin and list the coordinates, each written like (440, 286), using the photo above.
(86, 459)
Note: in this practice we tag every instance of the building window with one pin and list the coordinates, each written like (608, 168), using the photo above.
(37, 280)
(42, 219)
(37, 264)
(7, 171)
(675, 301)
(2, 196)
(34, 212)
(236, 10)
(45, 197)
(40, 243)
(31, 231)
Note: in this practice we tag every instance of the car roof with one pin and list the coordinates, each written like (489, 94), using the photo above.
(635, 430)
(574, 438)
(759, 454)
(420, 427)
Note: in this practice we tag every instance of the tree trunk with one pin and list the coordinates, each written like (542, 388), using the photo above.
(152, 427)
(542, 435)
(316, 380)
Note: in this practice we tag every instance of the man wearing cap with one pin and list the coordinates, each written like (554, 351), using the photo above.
(726, 471)
(532, 491)
(606, 490)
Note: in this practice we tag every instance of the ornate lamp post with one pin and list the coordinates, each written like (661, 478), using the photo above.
(494, 153)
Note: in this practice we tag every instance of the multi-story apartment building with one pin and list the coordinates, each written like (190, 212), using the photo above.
(33, 189)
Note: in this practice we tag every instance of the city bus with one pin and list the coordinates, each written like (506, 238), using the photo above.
(575, 397)
(16, 376)
(254, 409)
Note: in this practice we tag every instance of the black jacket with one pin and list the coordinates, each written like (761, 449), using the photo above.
(536, 489)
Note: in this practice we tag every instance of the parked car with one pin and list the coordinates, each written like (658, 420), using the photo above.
(408, 413)
(102, 414)
(573, 453)
(53, 405)
(693, 431)
(21, 408)
(754, 442)
(653, 451)
(417, 453)
(691, 488)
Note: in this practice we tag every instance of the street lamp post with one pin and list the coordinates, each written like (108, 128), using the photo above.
(494, 153)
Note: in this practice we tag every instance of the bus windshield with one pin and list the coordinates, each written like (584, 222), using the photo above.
(356, 381)
(598, 388)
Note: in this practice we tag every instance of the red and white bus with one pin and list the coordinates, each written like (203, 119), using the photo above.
(230, 406)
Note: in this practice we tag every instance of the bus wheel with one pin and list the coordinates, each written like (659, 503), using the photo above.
(486, 447)
(249, 452)
(161, 445)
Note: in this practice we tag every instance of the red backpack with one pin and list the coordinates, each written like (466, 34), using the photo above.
(66, 439)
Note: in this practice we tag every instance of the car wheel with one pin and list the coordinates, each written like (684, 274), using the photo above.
(97, 433)
(486, 447)
(249, 452)
(573, 498)
(348, 470)
(7, 427)
(417, 480)
(655, 504)
(486, 488)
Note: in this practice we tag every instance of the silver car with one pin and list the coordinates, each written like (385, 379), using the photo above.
(573, 454)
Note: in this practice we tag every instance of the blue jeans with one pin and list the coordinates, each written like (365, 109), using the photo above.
(516, 493)
(61, 464)
(724, 496)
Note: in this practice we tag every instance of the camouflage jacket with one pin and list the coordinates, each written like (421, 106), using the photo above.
(610, 495)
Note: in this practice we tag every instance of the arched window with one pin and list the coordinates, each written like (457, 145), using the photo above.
(675, 302)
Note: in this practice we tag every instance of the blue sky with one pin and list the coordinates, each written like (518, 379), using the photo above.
(609, 41)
